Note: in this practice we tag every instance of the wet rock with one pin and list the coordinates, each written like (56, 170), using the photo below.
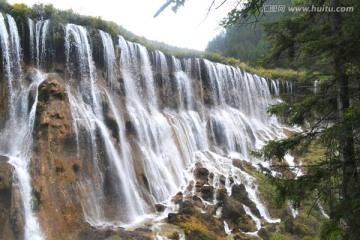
(198, 202)
(237, 163)
(242, 236)
(111, 123)
(187, 207)
(143, 230)
(239, 193)
(56, 190)
(199, 184)
(288, 220)
(5, 174)
(178, 198)
(243, 165)
(207, 192)
(3, 158)
(130, 127)
(201, 173)
(211, 209)
(160, 207)
(221, 193)
(231, 180)
(222, 180)
(264, 234)
(174, 236)
(199, 165)
(289, 225)
(11, 208)
(172, 217)
(247, 224)
(89, 232)
(232, 209)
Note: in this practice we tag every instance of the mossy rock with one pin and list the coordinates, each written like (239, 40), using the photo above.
(232, 209)
(246, 224)
(196, 229)
(187, 207)
(264, 234)
(240, 194)
(199, 226)
(51, 88)
(201, 173)
(207, 192)
(242, 236)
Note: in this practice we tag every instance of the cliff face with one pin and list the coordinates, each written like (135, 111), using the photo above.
(54, 166)
(100, 132)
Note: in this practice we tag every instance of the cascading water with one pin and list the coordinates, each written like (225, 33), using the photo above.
(17, 146)
(141, 125)
(38, 41)
(109, 57)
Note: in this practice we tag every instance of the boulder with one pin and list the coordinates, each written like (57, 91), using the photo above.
(160, 207)
(222, 180)
(172, 218)
(239, 193)
(5, 174)
(178, 198)
(247, 224)
(264, 234)
(198, 202)
(11, 207)
(207, 192)
(187, 207)
(232, 209)
(201, 173)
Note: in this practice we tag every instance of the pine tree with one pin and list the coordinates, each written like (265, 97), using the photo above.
(323, 44)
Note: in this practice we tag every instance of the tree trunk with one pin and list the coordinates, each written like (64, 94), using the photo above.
(346, 137)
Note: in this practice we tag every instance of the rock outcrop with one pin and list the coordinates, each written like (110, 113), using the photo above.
(54, 168)
(11, 210)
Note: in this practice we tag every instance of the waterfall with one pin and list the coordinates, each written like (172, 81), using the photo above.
(76, 36)
(18, 146)
(89, 111)
(37, 37)
(4, 36)
(31, 40)
(109, 57)
(41, 30)
(142, 121)
(161, 158)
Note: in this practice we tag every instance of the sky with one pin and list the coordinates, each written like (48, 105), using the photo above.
(190, 27)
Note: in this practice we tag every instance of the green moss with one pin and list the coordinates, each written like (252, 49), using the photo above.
(196, 229)
(280, 236)
(115, 236)
(44, 92)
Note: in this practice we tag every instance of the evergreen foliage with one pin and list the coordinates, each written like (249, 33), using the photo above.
(247, 41)
(323, 44)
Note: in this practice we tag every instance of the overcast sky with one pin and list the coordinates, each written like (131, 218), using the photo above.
(187, 28)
